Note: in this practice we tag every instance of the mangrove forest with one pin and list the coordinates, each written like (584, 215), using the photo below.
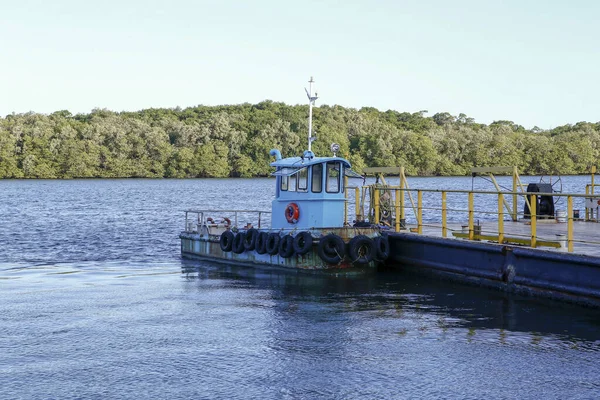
(234, 141)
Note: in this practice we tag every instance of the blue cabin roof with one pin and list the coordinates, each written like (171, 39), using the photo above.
(299, 162)
(291, 165)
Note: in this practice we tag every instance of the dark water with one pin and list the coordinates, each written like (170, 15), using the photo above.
(95, 302)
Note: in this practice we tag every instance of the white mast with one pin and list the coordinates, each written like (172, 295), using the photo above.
(311, 102)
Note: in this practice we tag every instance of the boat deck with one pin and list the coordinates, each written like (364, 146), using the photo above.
(586, 235)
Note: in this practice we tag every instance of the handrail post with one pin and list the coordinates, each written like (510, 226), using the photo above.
(376, 205)
(362, 202)
(587, 211)
(533, 212)
(419, 212)
(570, 224)
(444, 215)
(471, 217)
(402, 186)
(514, 196)
(357, 202)
(345, 200)
(259, 214)
(397, 203)
(593, 185)
(593, 174)
(500, 218)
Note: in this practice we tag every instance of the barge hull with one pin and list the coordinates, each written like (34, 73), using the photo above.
(562, 276)
(195, 247)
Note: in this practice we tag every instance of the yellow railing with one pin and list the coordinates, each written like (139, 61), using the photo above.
(501, 229)
(589, 192)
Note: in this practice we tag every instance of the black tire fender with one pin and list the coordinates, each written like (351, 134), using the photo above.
(238, 243)
(261, 243)
(303, 243)
(226, 241)
(272, 245)
(250, 239)
(286, 246)
(361, 250)
(331, 249)
(382, 247)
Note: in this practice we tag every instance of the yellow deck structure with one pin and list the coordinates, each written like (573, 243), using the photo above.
(569, 232)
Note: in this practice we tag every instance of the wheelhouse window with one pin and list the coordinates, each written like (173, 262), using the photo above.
(292, 185)
(289, 178)
(317, 178)
(333, 177)
(302, 180)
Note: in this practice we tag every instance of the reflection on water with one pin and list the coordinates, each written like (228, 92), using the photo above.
(433, 307)
(406, 329)
(201, 330)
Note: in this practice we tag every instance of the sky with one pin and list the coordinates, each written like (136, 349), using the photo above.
(529, 61)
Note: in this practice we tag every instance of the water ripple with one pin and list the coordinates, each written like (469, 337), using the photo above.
(96, 303)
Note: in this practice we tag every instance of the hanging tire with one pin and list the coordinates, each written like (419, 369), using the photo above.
(382, 248)
(238, 243)
(272, 245)
(303, 243)
(226, 241)
(250, 239)
(331, 249)
(361, 250)
(261, 243)
(286, 246)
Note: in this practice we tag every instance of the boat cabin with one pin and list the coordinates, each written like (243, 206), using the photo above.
(309, 191)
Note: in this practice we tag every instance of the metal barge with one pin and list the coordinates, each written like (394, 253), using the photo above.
(539, 251)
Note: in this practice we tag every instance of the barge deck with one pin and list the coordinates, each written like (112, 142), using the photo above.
(550, 235)
(537, 251)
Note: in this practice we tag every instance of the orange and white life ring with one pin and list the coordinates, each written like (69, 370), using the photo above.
(292, 213)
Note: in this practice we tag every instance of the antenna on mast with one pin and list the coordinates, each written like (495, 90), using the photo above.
(311, 102)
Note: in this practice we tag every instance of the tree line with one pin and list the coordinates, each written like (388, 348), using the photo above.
(234, 141)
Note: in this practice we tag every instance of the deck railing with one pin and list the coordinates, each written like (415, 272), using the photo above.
(464, 214)
(590, 189)
(255, 218)
(428, 211)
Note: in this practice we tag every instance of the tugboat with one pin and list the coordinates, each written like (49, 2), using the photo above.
(308, 229)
